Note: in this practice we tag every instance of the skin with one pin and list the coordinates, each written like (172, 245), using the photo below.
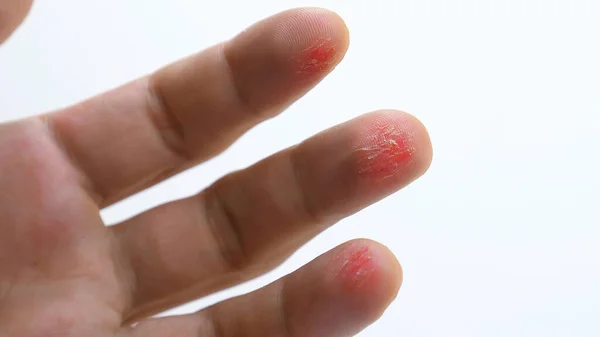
(64, 273)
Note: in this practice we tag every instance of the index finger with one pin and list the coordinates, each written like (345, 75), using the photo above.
(144, 132)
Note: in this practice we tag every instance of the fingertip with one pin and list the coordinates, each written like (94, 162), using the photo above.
(345, 290)
(354, 164)
(369, 276)
(277, 60)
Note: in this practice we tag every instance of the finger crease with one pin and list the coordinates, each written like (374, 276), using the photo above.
(242, 101)
(284, 318)
(171, 131)
(215, 324)
(226, 232)
(309, 212)
(86, 182)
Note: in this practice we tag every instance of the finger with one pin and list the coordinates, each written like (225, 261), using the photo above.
(12, 13)
(251, 220)
(137, 135)
(338, 294)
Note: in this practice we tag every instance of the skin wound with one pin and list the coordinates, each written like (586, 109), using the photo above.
(316, 58)
(386, 151)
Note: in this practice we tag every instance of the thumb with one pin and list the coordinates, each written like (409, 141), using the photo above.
(12, 13)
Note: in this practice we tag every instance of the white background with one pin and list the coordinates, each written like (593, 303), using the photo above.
(500, 238)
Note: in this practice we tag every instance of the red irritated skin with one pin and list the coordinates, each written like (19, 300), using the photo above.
(318, 57)
(356, 267)
(385, 152)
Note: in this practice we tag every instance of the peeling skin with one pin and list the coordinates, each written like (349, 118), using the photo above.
(357, 267)
(317, 57)
(386, 152)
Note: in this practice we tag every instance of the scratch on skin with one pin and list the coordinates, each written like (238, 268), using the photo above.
(316, 57)
(357, 267)
(386, 152)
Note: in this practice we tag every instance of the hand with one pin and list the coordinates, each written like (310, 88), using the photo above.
(64, 273)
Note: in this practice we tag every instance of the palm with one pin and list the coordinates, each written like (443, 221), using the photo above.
(64, 273)
(58, 274)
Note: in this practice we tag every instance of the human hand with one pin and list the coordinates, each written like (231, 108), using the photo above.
(64, 273)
